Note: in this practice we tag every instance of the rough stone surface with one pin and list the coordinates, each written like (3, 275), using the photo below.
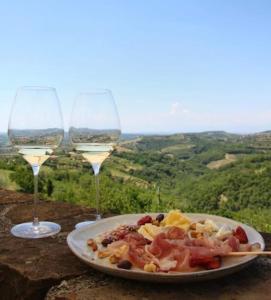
(252, 283)
(28, 268)
(45, 268)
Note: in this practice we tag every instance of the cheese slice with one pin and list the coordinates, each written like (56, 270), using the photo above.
(224, 232)
(149, 231)
(176, 218)
(145, 233)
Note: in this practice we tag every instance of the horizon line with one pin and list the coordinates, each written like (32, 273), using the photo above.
(180, 132)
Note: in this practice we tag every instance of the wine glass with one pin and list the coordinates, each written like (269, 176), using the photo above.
(35, 129)
(94, 132)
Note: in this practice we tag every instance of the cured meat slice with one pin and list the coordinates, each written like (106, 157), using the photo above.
(160, 245)
(138, 256)
(234, 243)
(209, 263)
(175, 233)
(135, 239)
(183, 260)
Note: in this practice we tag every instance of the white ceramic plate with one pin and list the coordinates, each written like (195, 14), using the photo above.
(77, 241)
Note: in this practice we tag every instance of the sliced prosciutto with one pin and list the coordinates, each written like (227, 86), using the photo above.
(172, 249)
(176, 252)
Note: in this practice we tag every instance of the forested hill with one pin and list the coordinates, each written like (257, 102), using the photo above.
(215, 172)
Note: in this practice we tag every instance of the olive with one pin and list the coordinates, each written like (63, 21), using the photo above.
(107, 241)
(124, 264)
(160, 217)
(148, 242)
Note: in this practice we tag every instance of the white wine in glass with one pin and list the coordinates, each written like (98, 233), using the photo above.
(35, 130)
(94, 132)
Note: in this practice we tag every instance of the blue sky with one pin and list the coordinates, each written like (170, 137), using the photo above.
(173, 66)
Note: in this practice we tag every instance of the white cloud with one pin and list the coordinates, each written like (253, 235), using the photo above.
(177, 108)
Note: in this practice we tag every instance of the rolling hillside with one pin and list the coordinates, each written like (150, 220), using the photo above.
(214, 172)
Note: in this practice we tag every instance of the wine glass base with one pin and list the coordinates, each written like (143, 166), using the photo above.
(86, 223)
(28, 231)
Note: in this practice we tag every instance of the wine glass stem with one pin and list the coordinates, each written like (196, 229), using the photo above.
(97, 187)
(35, 217)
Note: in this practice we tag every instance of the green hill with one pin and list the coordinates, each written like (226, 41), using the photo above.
(215, 172)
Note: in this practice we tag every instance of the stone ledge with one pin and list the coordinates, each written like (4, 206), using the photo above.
(31, 268)
(253, 283)
(28, 268)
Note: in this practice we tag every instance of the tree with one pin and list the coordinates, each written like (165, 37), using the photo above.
(50, 187)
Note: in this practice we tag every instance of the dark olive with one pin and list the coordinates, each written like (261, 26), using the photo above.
(124, 264)
(160, 217)
(107, 241)
(148, 242)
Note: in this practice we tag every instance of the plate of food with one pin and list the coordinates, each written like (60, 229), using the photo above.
(172, 247)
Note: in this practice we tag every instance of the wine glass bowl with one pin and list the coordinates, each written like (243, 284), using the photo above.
(94, 132)
(35, 130)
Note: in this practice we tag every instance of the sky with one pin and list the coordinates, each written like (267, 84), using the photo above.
(173, 66)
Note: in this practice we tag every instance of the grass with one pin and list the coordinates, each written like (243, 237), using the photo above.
(177, 148)
(5, 181)
(122, 164)
(131, 142)
(137, 181)
(229, 158)
(257, 218)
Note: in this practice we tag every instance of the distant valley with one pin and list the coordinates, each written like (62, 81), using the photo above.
(214, 172)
